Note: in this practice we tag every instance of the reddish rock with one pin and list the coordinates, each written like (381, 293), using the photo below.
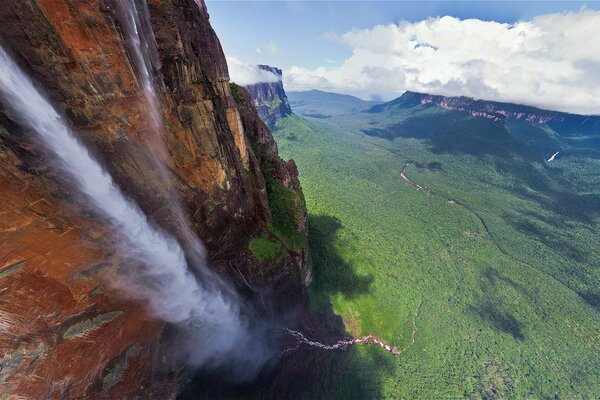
(65, 333)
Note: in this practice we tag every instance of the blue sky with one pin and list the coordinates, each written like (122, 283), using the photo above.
(298, 28)
(325, 45)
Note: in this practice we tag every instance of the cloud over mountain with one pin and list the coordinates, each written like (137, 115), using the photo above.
(244, 73)
(552, 61)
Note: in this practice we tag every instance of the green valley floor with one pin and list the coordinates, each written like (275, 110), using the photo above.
(477, 258)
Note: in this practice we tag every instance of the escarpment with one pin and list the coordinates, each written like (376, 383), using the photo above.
(269, 98)
(495, 111)
(66, 332)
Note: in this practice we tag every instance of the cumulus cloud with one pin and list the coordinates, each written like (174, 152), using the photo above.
(245, 74)
(552, 61)
(268, 48)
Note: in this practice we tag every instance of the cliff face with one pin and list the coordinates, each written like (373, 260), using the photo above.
(287, 229)
(65, 332)
(269, 98)
(495, 111)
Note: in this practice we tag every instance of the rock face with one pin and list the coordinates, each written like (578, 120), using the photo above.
(288, 227)
(269, 98)
(495, 111)
(65, 332)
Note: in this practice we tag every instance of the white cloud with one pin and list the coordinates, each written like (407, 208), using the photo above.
(245, 74)
(552, 61)
(268, 48)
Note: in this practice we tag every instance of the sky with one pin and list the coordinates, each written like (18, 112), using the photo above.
(537, 53)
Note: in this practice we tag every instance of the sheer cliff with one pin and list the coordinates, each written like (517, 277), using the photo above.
(66, 332)
(492, 110)
(269, 97)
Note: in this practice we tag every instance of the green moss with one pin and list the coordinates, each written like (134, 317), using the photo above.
(287, 206)
(272, 104)
(235, 92)
(287, 210)
(264, 249)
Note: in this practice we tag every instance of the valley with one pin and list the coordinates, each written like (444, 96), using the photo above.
(464, 217)
(174, 225)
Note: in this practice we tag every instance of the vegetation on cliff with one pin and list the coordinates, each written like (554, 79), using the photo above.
(286, 201)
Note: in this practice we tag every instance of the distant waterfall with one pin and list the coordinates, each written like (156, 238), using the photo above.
(213, 321)
(135, 24)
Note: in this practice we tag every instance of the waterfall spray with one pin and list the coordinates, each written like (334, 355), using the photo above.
(214, 323)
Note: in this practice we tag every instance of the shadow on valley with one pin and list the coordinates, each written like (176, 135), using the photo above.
(551, 239)
(310, 373)
(431, 166)
(457, 134)
(331, 274)
(491, 278)
(499, 320)
(491, 308)
(593, 299)
(522, 166)
(452, 132)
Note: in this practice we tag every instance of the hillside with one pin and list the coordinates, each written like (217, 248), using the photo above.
(544, 131)
(320, 104)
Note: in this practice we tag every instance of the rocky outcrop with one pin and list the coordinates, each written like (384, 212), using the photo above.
(269, 98)
(288, 226)
(65, 332)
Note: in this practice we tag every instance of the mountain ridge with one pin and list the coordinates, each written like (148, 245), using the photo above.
(494, 110)
(321, 104)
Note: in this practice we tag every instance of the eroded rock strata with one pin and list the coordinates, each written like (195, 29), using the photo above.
(495, 111)
(66, 333)
(269, 98)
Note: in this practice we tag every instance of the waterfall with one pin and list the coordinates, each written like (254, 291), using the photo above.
(135, 24)
(212, 320)
(140, 43)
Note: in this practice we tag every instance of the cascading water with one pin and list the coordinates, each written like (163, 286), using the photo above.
(148, 243)
(214, 330)
(134, 21)
(135, 24)
(343, 344)
(215, 326)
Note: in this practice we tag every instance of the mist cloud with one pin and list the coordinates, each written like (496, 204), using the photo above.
(551, 61)
(245, 74)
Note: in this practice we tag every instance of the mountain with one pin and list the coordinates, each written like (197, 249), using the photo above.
(269, 98)
(201, 165)
(496, 111)
(545, 131)
(319, 104)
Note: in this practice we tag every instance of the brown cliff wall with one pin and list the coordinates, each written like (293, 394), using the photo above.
(66, 334)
